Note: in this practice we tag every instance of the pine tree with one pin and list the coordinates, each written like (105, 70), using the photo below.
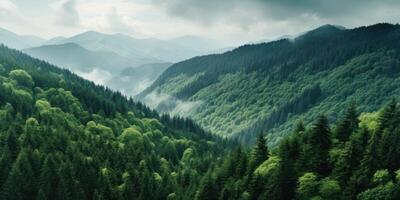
(20, 183)
(347, 125)
(319, 139)
(49, 177)
(260, 152)
(286, 182)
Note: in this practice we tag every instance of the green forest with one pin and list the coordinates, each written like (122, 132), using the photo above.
(269, 86)
(66, 138)
(62, 137)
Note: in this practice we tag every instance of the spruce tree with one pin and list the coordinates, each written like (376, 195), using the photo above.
(347, 125)
(320, 143)
(260, 152)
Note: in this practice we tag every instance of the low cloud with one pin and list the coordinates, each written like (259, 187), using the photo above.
(165, 103)
(98, 76)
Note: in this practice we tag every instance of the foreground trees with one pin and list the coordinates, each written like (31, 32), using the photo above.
(61, 141)
(359, 159)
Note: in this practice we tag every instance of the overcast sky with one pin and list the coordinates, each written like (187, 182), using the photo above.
(231, 21)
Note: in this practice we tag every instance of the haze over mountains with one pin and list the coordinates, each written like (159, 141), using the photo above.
(19, 41)
(102, 57)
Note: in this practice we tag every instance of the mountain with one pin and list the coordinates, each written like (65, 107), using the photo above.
(66, 137)
(13, 40)
(133, 80)
(78, 59)
(53, 41)
(154, 50)
(267, 87)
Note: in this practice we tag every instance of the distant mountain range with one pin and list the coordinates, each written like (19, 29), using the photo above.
(104, 58)
(266, 87)
(19, 41)
(76, 58)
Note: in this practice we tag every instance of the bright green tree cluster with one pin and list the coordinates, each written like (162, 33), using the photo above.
(357, 159)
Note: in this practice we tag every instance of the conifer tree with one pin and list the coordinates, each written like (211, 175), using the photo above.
(319, 140)
(260, 152)
(347, 125)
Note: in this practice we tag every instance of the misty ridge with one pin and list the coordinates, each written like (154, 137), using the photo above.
(118, 61)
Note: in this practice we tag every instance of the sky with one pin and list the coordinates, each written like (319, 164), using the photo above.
(229, 21)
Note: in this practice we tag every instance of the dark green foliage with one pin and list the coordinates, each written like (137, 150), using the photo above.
(260, 153)
(313, 164)
(64, 138)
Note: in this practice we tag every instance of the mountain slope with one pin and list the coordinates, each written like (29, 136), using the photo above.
(67, 138)
(266, 87)
(13, 40)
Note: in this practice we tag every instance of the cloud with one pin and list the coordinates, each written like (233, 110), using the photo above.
(166, 103)
(98, 76)
(245, 13)
(7, 6)
(117, 23)
(68, 14)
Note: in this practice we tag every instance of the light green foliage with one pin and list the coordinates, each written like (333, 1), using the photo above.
(22, 78)
(369, 120)
(307, 186)
(268, 168)
(187, 156)
(131, 134)
(381, 177)
(329, 189)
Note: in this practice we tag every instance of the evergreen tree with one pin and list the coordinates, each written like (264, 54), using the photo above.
(319, 140)
(260, 152)
(347, 125)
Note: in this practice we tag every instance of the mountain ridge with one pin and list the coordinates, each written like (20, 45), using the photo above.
(237, 87)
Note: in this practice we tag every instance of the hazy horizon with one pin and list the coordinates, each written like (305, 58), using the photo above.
(227, 21)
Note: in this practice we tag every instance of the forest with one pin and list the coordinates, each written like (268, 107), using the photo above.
(269, 86)
(62, 137)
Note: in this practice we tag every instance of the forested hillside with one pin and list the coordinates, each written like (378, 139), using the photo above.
(267, 87)
(62, 137)
(357, 158)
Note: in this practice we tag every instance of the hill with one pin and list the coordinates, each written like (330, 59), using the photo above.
(76, 58)
(14, 40)
(63, 137)
(266, 87)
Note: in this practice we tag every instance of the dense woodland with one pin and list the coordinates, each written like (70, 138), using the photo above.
(269, 86)
(62, 137)
(357, 158)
